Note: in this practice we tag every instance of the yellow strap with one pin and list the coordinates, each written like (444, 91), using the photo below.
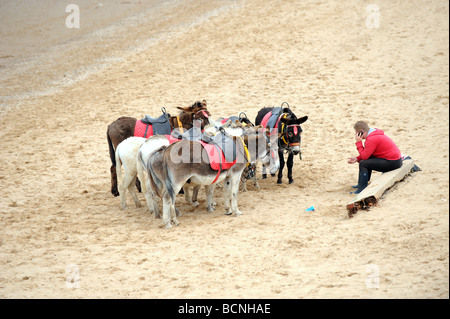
(180, 126)
(246, 150)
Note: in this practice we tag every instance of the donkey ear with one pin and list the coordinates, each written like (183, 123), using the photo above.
(185, 109)
(303, 119)
(204, 103)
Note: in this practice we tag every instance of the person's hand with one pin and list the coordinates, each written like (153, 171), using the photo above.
(358, 137)
(352, 160)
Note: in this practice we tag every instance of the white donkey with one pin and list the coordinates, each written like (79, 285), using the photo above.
(126, 156)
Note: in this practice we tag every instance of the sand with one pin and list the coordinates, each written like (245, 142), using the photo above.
(62, 233)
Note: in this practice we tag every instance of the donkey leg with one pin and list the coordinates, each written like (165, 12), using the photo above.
(132, 191)
(195, 195)
(167, 207)
(280, 171)
(290, 164)
(209, 198)
(255, 179)
(155, 204)
(227, 196)
(255, 182)
(173, 215)
(122, 193)
(234, 195)
(187, 194)
(152, 199)
(264, 173)
(243, 184)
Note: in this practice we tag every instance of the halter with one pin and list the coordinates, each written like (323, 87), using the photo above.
(203, 112)
(284, 135)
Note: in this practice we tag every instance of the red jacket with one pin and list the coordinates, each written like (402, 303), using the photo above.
(378, 145)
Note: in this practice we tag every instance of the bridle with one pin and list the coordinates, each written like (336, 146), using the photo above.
(203, 113)
(284, 138)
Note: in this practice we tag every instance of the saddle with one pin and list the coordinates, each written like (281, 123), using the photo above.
(271, 119)
(149, 126)
(221, 148)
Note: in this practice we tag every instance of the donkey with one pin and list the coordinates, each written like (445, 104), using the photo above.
(124, 127)
(283, 122)
(240, 127)
(169, 168)
(126, 156)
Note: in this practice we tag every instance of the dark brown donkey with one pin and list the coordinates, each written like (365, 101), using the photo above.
(123, 128)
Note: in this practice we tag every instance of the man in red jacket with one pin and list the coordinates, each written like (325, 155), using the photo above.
(379, 153)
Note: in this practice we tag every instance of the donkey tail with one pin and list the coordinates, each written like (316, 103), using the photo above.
(152, 176)
(111, 149)
(168, 182)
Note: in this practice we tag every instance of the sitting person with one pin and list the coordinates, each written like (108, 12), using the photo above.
(378, 153)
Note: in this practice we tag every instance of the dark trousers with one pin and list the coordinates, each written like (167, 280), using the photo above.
(375, 164)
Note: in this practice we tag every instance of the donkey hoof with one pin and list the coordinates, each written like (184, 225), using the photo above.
(279, 181)
(228, 213)
(210, 209)
(264, 176)
(273, 175)
(291, 181)
(195, 204)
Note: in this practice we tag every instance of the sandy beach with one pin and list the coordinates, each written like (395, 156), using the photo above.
(63, 234)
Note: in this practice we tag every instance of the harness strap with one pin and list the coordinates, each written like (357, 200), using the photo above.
(220, 167)
(146, 128)
(217, 177)
(283, 137)
(247, 153)
(180, 126)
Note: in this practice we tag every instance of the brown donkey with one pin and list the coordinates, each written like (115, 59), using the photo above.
(169, 168)
(123, 128)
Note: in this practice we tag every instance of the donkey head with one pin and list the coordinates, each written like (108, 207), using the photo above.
(263, 147)
(291, 132)
(196, 111)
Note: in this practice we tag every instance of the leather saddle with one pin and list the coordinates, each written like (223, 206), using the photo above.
(161, 125)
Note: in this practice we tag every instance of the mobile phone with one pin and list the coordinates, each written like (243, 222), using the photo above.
(361, 133)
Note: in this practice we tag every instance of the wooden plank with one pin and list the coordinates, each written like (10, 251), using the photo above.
(372, 193)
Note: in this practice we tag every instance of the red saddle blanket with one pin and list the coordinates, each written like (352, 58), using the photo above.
(141, 129)
(265, 121)
(216, 157)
